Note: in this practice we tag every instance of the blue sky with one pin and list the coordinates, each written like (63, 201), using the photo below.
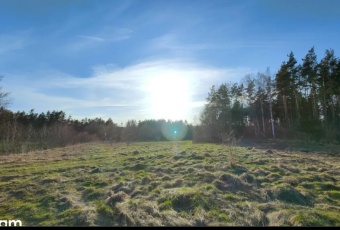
(149, 59)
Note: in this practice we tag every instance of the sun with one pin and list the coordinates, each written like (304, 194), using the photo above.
(169, 97)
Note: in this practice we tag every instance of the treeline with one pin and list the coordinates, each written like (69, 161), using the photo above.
(300, 101)
(22, 132)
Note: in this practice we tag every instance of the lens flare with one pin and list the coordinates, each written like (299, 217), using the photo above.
(174, 131)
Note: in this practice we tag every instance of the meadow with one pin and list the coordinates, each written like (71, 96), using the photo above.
(173, 184)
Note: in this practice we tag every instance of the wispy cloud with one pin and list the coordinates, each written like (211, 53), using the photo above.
(9, 42)
(171, 41)
(110, 34)
(104, 36)
(138, 76)
(254, 43)
(129, 87)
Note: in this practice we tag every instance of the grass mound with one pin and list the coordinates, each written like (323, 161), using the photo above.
(290, 195)
(229, 182)
(118, 197)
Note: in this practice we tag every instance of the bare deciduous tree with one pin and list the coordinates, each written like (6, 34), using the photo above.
(4, 97)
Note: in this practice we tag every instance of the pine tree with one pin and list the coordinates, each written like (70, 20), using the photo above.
(287, 83)
(327, 79)
(309, 72)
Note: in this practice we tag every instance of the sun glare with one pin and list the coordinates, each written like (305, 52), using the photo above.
(169, 97)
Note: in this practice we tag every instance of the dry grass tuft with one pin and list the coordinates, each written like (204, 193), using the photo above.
(118, 197)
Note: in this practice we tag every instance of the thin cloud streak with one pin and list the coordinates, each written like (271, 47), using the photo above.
(105, 35)
(92, 38)
(171, 41)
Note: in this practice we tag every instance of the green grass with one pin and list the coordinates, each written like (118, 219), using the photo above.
(170, 184)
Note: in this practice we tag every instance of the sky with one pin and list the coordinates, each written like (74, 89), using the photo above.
(149, 59)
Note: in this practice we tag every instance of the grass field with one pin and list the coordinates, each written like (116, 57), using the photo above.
(172, 184)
